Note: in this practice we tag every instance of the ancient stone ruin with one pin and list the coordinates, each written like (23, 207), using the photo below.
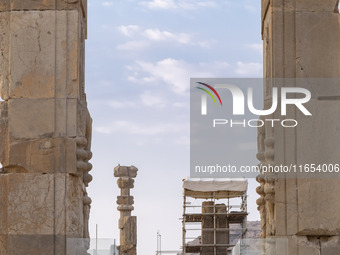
(302, 48)
(45, 127)
(127, 223)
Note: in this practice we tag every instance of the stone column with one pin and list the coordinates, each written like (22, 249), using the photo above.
(207, 223)
(127, 223)
(222, 231)
(301, 41)
(45, 127)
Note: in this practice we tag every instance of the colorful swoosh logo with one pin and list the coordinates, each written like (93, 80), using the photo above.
(209, 93)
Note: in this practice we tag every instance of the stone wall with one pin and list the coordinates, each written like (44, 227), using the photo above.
(301, 41)
(45, 127)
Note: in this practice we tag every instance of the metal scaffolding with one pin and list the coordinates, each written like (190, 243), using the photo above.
(202, 213)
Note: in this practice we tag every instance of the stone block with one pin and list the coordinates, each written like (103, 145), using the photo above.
(125, 183)
(121, 200)
(313, 55)
(31, 119)
(43, 156)
(41, 204)
(125, 171)
(129, 234)
(315, 215)
(330, 245)
(32, 54)
(316, 6)
(31, 207)
(40, 56)
(17, 5)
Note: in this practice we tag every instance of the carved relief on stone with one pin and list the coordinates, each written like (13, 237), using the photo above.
(269, 190)
(266, 190)
(127, 223)
(269, 186)
(261, 179)
(261, 202)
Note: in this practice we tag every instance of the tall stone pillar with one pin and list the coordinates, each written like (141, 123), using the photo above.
(45, 127)
(301, 41)
(214, 229)
(207, 227)
(127, 223)
(222, 228)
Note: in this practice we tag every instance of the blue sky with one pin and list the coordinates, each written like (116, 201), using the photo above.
(140, 56)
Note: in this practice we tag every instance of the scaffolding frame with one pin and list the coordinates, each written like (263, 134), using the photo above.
(234, 217)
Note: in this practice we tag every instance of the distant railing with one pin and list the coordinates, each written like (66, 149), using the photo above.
(100, 246)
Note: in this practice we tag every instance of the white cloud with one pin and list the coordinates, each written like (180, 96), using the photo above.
(256, 46)
(133, 45)
(196, 4)
(129, 30)
(179, 4)
(177, 73)
(144, 37)
(149, 99)
(249, 69)
(160, 4)
(138, 129)
(174, 72)
(157, 35)
(107, 3)
(120, 104)
(250, 8)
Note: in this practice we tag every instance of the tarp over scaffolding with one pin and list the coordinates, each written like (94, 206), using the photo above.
(214, 188)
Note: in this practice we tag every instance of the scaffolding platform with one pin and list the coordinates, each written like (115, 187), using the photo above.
(211, 210)
(233, 217)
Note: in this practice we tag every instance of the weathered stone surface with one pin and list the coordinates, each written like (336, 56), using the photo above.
(42, 211)
(125, 171)
(39, 204)
(11, 5)
(317, 6)
(301, 49)
(45, 127)
(4, 130)
(51, 48)
(127, 223)
(125, 200)
(330, 245)
(311, 30)
(30, 119)
(129, 234)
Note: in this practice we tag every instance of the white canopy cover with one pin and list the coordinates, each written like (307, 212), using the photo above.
(218, 188)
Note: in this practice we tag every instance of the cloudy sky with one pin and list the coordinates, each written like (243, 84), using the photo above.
(140, 56)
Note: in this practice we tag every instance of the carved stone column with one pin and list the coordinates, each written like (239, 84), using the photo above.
(207, 227)
(127, 223)
(301, 40)
(45, 126)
